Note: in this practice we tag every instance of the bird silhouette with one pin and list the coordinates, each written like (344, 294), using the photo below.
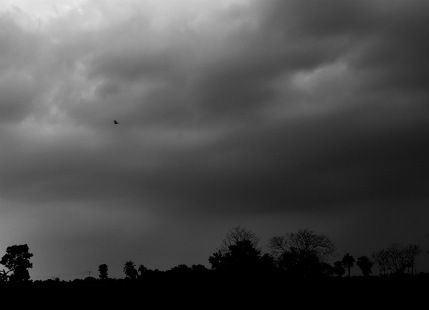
(115, 122)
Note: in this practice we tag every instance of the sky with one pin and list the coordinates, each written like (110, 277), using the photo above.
(274, 115)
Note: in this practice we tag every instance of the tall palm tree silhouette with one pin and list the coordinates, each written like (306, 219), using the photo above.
(348, 262)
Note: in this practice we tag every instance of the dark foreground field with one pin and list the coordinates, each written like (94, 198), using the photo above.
(220, 291)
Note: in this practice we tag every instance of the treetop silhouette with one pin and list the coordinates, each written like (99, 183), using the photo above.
(17, 260)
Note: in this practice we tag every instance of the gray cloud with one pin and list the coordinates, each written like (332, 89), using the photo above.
(150, 82)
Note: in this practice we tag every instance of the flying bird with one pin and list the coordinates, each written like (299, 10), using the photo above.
(115, 122)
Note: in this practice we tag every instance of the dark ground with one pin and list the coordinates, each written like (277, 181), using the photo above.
(220, 291)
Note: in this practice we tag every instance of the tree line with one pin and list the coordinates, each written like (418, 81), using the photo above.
(301, 254)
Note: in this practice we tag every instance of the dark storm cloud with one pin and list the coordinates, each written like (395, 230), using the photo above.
(215, 122)
(393, 58)
(323, 164)
(385, 39)
(18, 90)
(320, 20)
(319, 164)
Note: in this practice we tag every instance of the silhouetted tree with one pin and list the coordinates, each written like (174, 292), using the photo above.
(396, 258)
(411, 251)
(217, 260)
(304, 241)
(267, 263)
(181, 268)
(237, 234)
(279, 245)
(239, 252)
(381, 260)
(199, 268)
(4, 275)
(130, 270)
(326, 269)
(300, 263)
(348, 262)
(303, 253)
(17, 260)
(103, 270)
(142, 270)
(365, 264)
(339, 269)
(241, 256)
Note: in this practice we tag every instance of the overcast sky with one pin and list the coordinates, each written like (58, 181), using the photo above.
(274, 115)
